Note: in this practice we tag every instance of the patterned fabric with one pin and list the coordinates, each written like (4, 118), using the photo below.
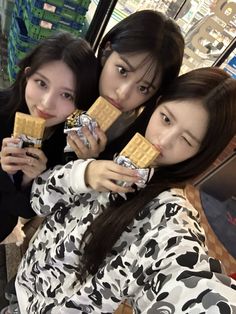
(215, 247)
(159, 264)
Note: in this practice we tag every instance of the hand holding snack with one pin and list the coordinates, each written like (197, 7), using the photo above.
(36, 164)
(29, 129)
(138, 154)
(12, 156)
(21, 152)
(97, 120)
(101, 175)
(94, 147)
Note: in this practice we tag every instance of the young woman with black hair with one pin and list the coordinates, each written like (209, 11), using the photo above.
(56, 77)
(139, 56)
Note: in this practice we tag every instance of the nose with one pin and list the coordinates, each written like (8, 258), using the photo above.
(48, 100)
(167, 139)
(123, 91)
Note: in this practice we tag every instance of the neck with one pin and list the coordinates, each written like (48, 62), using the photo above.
(48, 132)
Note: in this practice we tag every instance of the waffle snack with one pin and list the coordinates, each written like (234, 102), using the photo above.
(104, 113)
(29, 129)
(101, 113)
(140, 151)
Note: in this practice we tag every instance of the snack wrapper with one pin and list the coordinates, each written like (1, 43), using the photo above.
(29, 130)
(27, 141)
(138, 154)
(144, 173)
(101, 113)
(80, 120)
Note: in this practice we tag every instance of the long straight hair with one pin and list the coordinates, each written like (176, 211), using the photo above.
(217, 93)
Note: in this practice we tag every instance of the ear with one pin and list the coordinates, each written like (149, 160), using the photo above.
(27, 73)
(106, 53)
(27, 70)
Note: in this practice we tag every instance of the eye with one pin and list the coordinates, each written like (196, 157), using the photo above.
(122, 70)
(41, 83)
(187, 141)
(143, 89)
(165, 119)
(68, 96)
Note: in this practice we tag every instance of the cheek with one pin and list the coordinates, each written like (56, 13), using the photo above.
(27, 91)
(105, 80)
(149, 130)
(153, 124)
(31, 92)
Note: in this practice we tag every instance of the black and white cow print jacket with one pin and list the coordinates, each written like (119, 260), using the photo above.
(160, 264)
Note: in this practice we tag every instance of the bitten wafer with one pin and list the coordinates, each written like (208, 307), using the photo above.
(140, 151)
(104, 113)
(29, 127)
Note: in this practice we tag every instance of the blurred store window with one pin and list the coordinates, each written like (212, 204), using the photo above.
(230, 64)
(209, 26)
(209, 33)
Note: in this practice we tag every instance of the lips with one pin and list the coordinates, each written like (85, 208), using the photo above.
(115, 104)
(43, 114)
(159, 149)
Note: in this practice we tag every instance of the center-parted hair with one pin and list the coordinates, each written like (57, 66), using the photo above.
(151, 32)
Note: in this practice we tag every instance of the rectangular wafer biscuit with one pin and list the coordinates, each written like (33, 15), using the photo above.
(29, 126)
(104, 113)
(140, 151)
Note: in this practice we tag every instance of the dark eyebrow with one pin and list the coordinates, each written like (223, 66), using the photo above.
(47, 80)
(186, 131)
(42, 76)
(169, 112)
(132, 69)
(193, 137)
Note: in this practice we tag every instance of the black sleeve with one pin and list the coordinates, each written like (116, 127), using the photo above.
(13, 203)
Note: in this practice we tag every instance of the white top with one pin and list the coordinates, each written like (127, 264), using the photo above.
(160, 263)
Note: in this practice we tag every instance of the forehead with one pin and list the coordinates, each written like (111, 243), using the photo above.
(143, 64)
(56, 65)
(57, 72)
(190, 116)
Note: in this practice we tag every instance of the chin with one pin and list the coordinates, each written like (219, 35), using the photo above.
(49, 124)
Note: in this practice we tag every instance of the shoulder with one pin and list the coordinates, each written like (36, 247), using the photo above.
(176, 197)
(173, 208)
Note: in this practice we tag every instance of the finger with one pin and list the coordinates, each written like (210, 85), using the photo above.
(114, 167)
(36, 153)
(102, 139)
(76, 143)
(10, 150)
(37, 164)
(75, 148)
(85, 151)
(112, 186)
(14, 160)
(118, 177)
(90, 138)
(11, 168)
(7, 141)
